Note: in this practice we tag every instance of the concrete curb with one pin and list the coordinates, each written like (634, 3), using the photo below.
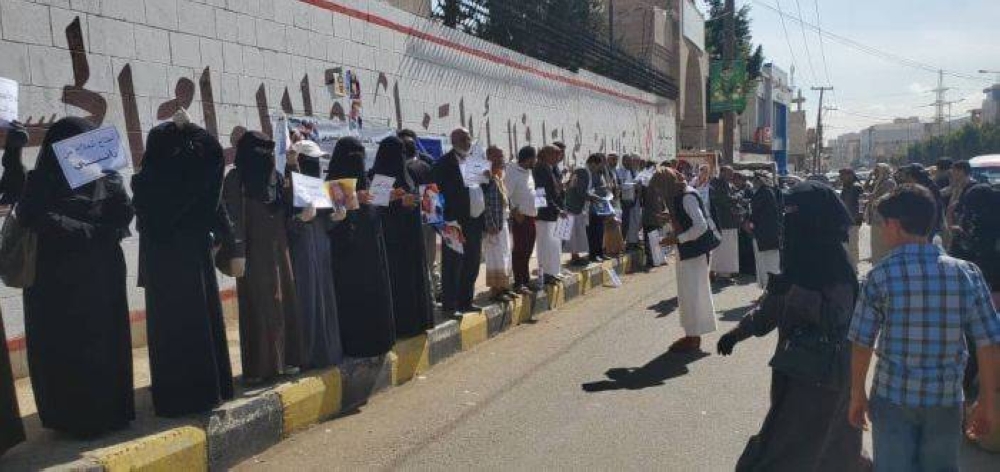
(238, 430)
(184, 448)
(243, 428)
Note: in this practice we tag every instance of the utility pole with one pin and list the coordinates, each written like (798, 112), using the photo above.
(940, 102)
(611, 26)
(728, 55)
(819, 128)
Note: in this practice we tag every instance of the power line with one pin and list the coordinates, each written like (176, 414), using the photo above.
(787, 39)
(805, 42)
(888, 56)
(822, 49)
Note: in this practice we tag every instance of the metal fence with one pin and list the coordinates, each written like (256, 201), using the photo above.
(564, 33)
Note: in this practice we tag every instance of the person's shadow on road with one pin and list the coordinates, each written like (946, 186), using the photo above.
(654, 374)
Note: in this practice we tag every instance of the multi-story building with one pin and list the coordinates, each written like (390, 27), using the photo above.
(669, 35)
(764, 124)
(889, 142)
(846, 150)
(797, 137)
(991, 105)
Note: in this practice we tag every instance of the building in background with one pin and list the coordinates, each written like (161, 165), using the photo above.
(764, 125)
(889, 142)
(798, 157)
(669, 35)
(991, 105)
(845, 150)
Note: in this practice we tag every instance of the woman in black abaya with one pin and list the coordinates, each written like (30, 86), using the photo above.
(76, 312)
(309, 245)
(413, 308)
(177, 201)
(360, 269)
(806, 427)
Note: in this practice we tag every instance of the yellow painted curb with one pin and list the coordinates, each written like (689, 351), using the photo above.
(515, 309)
(413, 357)
(523, 313)
(556, 295)
(183, 448)
(584, 281)
(626, 265)
(310, 400)
(474, 329)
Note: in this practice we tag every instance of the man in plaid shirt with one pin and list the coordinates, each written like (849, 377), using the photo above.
(921, 305)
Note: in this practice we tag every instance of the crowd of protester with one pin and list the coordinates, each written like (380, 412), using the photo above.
(315, 285)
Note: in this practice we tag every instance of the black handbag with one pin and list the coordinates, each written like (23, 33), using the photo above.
(811, 350)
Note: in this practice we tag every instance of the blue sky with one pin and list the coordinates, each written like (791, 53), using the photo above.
(958, 35)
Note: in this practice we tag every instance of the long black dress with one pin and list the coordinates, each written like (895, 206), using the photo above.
(177, 200)
(269, 316)
(806, 427)
(360, 269)
(312, 266)
(413, 308)
(11, 428)
(76, 313)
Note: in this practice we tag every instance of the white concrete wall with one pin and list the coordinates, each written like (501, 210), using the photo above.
(256, 51)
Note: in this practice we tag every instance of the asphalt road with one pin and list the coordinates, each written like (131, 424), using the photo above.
(588, 387)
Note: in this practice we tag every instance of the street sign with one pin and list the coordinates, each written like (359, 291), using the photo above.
(727, 86)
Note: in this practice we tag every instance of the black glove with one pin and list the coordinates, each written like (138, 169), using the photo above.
(726, 344)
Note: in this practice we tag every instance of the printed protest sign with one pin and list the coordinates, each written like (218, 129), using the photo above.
(282, 141)
(540, 200)
(563, 230)
(431, 205)
(452, 238)
(8, 101)
(343, 193)
(310, 191)
(87, 157)
(612, 279)
(381, 189)
(475, 167)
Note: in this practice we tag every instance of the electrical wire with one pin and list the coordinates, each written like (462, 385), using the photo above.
(787, 39)
(805, 42)
(887, 56)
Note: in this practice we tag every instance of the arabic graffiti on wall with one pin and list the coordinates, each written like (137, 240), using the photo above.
(650, 132)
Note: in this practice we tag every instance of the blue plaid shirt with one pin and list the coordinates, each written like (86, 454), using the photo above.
(922, 305)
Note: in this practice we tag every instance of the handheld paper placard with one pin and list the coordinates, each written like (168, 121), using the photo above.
(87, 157)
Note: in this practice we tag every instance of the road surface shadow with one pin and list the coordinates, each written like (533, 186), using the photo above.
(665, 307)
(736, 314)
(654, 374)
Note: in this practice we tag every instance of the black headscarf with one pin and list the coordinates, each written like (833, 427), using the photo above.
(309, 165)
(390, 161)
(12, 182)
(980, 240)
(180, 182)
(256, 163)
(816, 227)
(348, 162)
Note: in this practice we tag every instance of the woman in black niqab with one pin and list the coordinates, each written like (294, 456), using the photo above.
(816, 228)
(806, 427)
(270, 329)
(413, 308)
(76, 312)
(178, 195)
(360, 266)
(309, 246)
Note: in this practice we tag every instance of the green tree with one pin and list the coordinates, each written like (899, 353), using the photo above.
(555, 31)
(965, 143)
(715, 35)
